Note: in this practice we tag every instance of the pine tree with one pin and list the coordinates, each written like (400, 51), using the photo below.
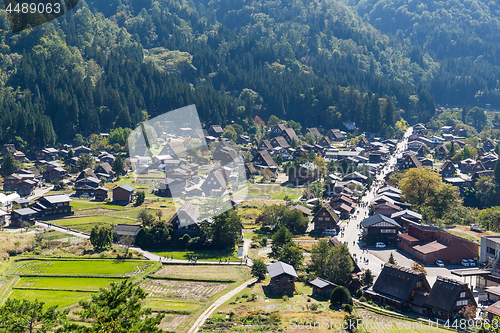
(392, 260)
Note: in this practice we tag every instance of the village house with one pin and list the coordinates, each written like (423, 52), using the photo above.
(263, 159)
(290, 135)
(383, 228)
(124, 194)
(215, 183)
(326, 218)
(26, 187)
(410, 161)
(314, 131)
(53, 205)
(47, 154)
(386, 209)
(19, 216)
(335, 135)
(283, 278)
(124, 230)
(101, 193)
(405, 218)
(86, 186)
(280, 142)
(104, 170)
(447, 297)
(428, 244)
(448, 169)
(171, 187)
(215, 130)
(176, 150)
(186, 220)
(402, 288)
(265, 145)
(277, 130)
(306, 172)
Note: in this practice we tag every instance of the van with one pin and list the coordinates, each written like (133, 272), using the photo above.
(380, 244)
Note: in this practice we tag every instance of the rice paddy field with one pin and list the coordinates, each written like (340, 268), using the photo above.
(121, 268)
(64, 283)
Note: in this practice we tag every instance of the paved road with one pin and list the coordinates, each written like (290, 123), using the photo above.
(223, 299)
(351, 230)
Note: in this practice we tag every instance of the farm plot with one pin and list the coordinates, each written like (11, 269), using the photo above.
(213, 272)
(50, 297)
(172, 306)
(171, 322)
(63, 283)
(84, 267)
(182, 289)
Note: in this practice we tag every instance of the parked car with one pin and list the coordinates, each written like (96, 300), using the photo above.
(380, 244)
(472, 262)
(440, 263)
(465, 262)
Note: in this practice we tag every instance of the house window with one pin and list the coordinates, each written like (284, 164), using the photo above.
(436, 255)
(462, 294)
(419, 284)
(327, 219)
(320, 219)
(462, 302)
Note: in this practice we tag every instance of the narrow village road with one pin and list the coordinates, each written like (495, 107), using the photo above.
(352, 231)
(223, 299)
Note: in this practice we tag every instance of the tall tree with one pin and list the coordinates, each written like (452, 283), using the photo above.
(20, 316)
(226, 229)
(101, 237)
(9, 164)
(119, 309)
(280, 238)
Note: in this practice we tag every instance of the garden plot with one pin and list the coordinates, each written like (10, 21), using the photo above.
(213, 272)
(171, 322)
(182, 289)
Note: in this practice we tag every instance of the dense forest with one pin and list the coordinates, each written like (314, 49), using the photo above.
(109, 64)
(462, 36)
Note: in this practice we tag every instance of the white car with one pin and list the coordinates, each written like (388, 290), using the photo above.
(464, 262)
(472, 262)
(380, 244)
(440, 263)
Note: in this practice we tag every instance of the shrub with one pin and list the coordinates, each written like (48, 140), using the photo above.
(341, 295)
(387, 307)
(347, 308)
(244, 296)
(285, 298)
(252, 297)
(314, 306)
(362, 299)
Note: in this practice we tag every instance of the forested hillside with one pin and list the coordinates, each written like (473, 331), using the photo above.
(463, 36)
(113, 63)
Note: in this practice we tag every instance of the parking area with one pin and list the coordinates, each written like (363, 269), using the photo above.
(433, 271)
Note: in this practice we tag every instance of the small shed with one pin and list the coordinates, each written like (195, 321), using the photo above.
(322, 288)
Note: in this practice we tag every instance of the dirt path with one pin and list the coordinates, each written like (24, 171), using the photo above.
(223, 299)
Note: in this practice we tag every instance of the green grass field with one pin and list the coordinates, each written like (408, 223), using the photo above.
(51, 297)
(62, 283)
(208, 255)
(84, 267)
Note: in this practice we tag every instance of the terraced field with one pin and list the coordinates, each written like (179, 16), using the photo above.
(84, 267)
(63, 283)
(184, 290)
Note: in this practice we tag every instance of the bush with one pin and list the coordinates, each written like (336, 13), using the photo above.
(314, 306)
(252, 297)
(387, 307)
(362, 299)
(285, 298)
(358, 293)
(341, 295)
(347, 308)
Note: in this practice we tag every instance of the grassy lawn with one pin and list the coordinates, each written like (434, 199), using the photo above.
(62, 283)
(208, 255)
(59, 298)
(216, 272)
(85, 267)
